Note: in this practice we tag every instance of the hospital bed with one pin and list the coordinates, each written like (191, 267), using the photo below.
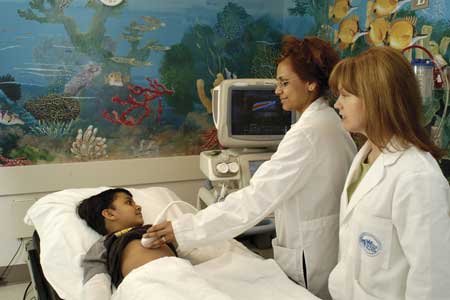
(224, 270)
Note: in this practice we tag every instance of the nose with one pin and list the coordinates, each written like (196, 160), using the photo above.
(338, 104)
(278, 90)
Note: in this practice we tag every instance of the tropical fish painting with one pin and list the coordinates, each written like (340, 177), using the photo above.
(158, 48)
(131, 38)
(153, 21)
(131, 61)
(348, 33)
(401, 33)
(384, 8)
(377, 32)
(10, 119)
(144, 28)
(116, 79)
(82, 79)
(340, 10)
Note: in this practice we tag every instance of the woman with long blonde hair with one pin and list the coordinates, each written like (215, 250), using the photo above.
(394, 217)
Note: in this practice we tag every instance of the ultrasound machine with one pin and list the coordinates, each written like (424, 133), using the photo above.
(250, 123)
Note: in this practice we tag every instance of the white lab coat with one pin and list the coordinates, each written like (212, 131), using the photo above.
(302, 183)
(395, 231)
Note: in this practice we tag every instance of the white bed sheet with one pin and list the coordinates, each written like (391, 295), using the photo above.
(230, 276)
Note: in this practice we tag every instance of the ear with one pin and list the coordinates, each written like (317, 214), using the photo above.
(108, 214)
(311, 86)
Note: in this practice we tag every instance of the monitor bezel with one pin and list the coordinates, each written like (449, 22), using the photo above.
(250, 137)
(224, 131)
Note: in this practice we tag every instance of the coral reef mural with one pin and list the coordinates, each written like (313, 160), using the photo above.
(83, 81)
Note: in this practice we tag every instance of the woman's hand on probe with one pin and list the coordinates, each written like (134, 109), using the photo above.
(162, 233)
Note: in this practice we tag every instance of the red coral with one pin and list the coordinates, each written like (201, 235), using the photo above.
(211, 140)
(155, 90)
(9, 162)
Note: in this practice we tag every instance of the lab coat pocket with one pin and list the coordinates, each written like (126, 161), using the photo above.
(290, 261)
(360, 294)
(374, 241)
(320, 238)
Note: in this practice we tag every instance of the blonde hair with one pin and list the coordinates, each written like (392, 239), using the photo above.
(383, 78)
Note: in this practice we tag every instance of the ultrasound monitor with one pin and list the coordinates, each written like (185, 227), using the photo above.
(248, 114)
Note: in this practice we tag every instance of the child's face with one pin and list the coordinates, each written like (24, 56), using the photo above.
(126, 212)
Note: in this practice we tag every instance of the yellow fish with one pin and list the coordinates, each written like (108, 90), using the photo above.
(348, 32)
(340, 10)
(383, 8)
(116, 79)
(401, 33)
(377, 32)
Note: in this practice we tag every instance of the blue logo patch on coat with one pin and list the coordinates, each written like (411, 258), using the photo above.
(370, 244)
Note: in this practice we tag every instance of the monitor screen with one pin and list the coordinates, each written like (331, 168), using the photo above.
(258, 112)
(248, 114)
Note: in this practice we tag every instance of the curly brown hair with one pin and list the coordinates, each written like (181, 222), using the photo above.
(312, 59)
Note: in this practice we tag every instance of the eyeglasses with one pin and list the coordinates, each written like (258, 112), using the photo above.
(282, 84)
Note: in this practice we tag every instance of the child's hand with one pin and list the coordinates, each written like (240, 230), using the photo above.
(161, 233)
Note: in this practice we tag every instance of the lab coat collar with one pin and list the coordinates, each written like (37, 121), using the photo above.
(318, 104)
(376, 172)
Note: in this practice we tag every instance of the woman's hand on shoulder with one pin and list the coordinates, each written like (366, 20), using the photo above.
(161, 234)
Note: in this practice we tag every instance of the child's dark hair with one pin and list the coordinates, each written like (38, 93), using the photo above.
(90, 209)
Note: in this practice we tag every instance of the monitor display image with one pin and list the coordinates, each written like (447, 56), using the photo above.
(248, 114)
(258, 112)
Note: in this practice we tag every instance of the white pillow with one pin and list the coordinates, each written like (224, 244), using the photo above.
(65, 238)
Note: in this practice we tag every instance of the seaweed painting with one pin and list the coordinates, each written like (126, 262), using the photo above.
(237, 45)
(319, 10)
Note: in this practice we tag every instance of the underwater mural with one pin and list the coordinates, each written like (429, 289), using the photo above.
(84, 81)
(353, 26)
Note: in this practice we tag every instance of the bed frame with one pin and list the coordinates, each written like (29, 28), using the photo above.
(44, 291)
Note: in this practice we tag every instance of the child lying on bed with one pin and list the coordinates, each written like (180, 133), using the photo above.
(114, 214)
